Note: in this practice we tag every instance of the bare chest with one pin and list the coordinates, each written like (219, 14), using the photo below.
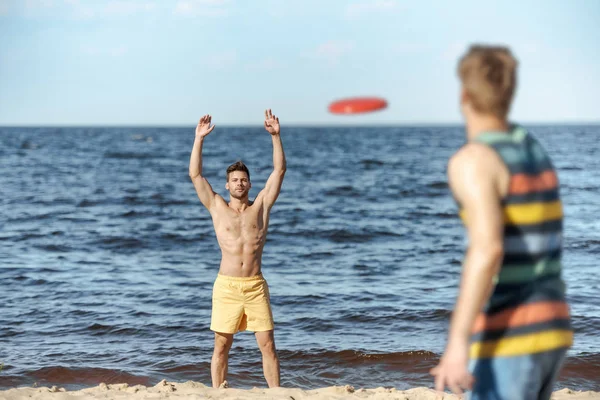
(248, 224)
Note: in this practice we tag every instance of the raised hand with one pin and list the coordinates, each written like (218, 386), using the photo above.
(271, 122)
(204, 127)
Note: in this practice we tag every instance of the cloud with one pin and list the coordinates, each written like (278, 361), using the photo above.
(128, 7)
(332, 51)
(280, 9)
(4, 7)
(28, 7)
(360, 8)
(118, 51)
(112, 8)
(201, 8)
(39, 4)
(33, 8)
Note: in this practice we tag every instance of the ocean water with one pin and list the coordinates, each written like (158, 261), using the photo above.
(107, 257)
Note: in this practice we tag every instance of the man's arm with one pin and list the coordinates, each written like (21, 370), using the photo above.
(273, 185)
(473, 180)
(203, 188)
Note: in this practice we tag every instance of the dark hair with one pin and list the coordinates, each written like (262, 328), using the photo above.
(238, 166)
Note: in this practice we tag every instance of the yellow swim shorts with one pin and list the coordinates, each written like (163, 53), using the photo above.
(240, 304)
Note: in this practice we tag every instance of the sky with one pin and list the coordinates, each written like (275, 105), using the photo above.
(162, 63)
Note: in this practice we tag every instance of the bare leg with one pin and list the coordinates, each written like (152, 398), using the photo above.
(220, 358)
(266, 344)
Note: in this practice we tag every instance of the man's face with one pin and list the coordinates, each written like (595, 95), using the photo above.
(238, 184)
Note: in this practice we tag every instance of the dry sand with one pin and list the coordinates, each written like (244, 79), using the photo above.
(193, 390)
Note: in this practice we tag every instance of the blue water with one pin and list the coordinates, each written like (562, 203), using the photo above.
(107, 257)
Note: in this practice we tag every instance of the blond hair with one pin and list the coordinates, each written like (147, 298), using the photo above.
(489, 77)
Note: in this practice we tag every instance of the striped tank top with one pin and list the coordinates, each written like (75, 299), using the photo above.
(527, 312)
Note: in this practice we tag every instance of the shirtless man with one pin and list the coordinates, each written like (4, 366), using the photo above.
(240, 293)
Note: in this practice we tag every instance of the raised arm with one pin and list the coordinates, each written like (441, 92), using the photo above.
(203, 188)
(273, 185)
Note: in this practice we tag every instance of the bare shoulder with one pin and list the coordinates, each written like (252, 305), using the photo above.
(219, 205)
(476, 157)
(260, 198)
(259, 205)
(474, 168)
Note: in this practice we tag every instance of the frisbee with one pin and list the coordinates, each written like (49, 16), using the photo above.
(357, 105)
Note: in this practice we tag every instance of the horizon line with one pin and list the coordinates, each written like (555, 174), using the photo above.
(299, 125)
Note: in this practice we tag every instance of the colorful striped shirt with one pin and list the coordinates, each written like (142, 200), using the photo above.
(527, 312)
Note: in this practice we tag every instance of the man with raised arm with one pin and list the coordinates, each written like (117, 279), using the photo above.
(240, 294)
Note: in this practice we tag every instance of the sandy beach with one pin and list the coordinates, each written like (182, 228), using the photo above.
(195, 390)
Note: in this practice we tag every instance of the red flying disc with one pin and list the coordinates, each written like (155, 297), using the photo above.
(357, 105)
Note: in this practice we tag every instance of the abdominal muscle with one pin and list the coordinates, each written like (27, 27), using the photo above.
(242, 239)
(241, 258)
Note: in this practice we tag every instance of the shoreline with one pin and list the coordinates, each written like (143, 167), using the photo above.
(194, 390)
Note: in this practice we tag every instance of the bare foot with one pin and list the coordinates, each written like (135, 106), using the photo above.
(224, 385)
